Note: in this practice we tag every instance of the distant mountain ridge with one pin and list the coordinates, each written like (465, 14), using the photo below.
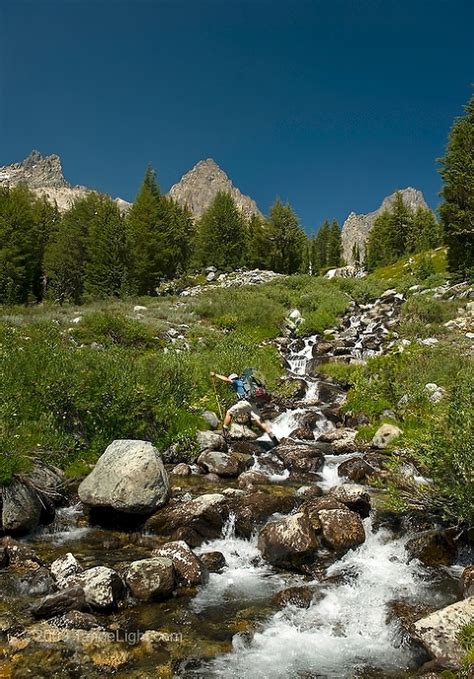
(198, 188)
(356, 228)
(44, 176)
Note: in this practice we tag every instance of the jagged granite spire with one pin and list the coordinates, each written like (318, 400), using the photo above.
(44, 176)
(198, 188)
(356, 228)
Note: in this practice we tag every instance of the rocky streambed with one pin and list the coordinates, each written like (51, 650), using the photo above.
(257, 561)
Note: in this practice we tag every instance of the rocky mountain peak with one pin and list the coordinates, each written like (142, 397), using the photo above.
(198, 188)
(356, 228)
(36, 171)
(44, 176)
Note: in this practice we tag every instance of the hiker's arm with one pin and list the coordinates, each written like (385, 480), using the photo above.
(220, 377)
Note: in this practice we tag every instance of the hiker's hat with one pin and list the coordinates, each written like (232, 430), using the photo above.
(233, 376)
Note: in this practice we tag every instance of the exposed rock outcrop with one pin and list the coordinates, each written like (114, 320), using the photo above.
(198, 188)
(44, 176)
(356, 228)
(129, 477)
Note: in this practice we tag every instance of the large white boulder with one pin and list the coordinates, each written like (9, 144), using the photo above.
(439, 632)
(129, 477)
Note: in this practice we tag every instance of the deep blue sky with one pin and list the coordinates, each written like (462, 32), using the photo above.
(329, 104)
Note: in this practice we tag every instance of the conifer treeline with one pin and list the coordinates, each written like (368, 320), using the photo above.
(94, 251)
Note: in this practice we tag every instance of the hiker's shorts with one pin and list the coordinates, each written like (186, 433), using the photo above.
(245, 407)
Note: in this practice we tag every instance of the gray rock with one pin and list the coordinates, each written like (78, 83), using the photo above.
(385, 435)
(354, 497)
(151, 578)
(439, 632)
(181, 469)
(21, 509)
(288, 541)
(188, 567)
(211, 418)
(467, 582)
(103, 587)
(64, 568)
(222, 464)
(71, 598)
(198, 188)
(210, 440)
(214, 562)
(356, 228)
(129, 477)
(341, 529)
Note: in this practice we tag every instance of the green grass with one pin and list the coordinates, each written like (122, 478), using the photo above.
(410, 268)
(69, 389)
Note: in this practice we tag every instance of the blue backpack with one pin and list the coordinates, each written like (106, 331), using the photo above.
(254, 388)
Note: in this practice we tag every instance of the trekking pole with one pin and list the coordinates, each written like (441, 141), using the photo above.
(219, 407)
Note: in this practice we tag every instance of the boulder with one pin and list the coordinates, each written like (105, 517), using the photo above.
(220, 463)
(103, 587)
(20, 554)
(309, 492)
(467, 582)
(301, 597)
(129, 477)
(342, 440)
(214, 562)
(21, 508)
(189, 569)
(194, 521)
(433, 547)
(354, 497)
(70, 598)
(439, 631)
(150, 579)
(211, 418)
(242, 432)
(40, 581)
(302, 433)
(385, 435)
(253, 510)
(251, 478)
(341, 529)
(64, 568)
(210, 440)
(356, 469)
(303, 458)
(181, 469)
(246, 447)
(288, 542)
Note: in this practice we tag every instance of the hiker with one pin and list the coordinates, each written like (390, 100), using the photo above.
(244, 405)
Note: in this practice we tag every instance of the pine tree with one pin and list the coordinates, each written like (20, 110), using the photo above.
(22, 238)
(258, 251)
(320, 247)
(66, 254)
(179, 238)
(400, 227)
(425, 232)
(106, 271)
(222, 234)
(356, 255)
(287, 238)
(148, 224)
(457, 210)
(334, 246)
(378, 245)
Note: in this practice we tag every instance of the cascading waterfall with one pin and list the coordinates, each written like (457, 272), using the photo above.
(348, 626)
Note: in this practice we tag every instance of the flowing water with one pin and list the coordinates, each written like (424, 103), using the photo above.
(347, 632)
(348, 629)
